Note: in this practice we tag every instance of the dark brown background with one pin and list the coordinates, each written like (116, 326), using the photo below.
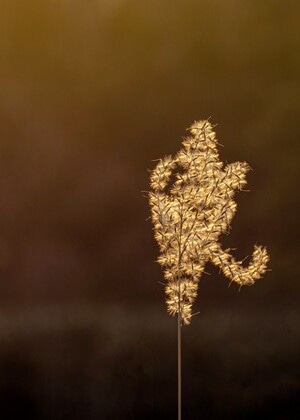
(90, 93)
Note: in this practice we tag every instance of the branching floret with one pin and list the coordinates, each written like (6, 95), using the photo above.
(189, 216)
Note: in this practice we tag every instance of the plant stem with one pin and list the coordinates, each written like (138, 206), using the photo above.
(179, 363)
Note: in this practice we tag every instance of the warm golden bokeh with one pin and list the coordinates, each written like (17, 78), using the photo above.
(90, 93)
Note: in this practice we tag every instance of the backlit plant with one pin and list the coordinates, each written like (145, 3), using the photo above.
(192, 204)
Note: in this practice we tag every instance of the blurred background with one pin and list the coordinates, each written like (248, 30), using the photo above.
(91, 92)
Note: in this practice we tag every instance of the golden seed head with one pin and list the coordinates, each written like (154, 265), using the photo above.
(191, 214)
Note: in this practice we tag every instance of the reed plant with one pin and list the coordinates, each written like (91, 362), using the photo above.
(192, 204)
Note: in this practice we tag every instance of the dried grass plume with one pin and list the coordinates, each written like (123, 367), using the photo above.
(190, 215)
